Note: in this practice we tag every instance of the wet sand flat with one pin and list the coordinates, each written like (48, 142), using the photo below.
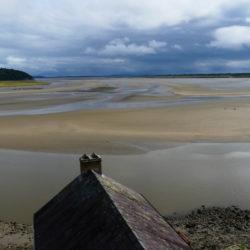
(107, 115)
(103, 130)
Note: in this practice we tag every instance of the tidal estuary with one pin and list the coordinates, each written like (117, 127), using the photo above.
(182, 143)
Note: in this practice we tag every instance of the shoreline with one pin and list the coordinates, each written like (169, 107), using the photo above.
(125, 149)
(214, 228)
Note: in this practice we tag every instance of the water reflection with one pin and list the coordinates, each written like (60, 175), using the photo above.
(174, 180)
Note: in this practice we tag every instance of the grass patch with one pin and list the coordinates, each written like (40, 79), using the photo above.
(21, 83)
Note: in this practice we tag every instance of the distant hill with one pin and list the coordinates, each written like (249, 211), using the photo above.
(12, 74)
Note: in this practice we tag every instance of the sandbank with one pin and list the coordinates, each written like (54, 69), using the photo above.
(119, 131)
(109, 131)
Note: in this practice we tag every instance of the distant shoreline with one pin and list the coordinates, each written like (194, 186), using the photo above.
(234, 75)
(219, 75)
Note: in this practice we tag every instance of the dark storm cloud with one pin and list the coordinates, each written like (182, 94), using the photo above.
(125, 37)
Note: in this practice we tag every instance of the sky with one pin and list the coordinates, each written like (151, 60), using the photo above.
(125, 37)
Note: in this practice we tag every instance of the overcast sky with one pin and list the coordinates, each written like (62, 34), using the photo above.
(110, 37)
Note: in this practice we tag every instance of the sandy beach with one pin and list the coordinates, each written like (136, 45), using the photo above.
(115, 130)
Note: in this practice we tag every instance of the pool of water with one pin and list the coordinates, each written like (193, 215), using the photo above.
(176, 179)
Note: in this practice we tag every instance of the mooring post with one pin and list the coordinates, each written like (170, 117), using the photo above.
(92, 161)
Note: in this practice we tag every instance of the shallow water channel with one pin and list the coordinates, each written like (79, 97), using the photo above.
(176, 179)
(114, 93)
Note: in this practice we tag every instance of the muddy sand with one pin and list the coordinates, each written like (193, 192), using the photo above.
(104, 130)
(111, 130)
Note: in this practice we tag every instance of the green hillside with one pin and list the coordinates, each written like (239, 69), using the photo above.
(11, 74)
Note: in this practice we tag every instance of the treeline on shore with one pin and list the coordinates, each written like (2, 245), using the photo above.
(12, 74)
(227, 75)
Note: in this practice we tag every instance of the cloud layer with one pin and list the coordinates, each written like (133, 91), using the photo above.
(123, 47)
(231, 37)
(107, 37)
